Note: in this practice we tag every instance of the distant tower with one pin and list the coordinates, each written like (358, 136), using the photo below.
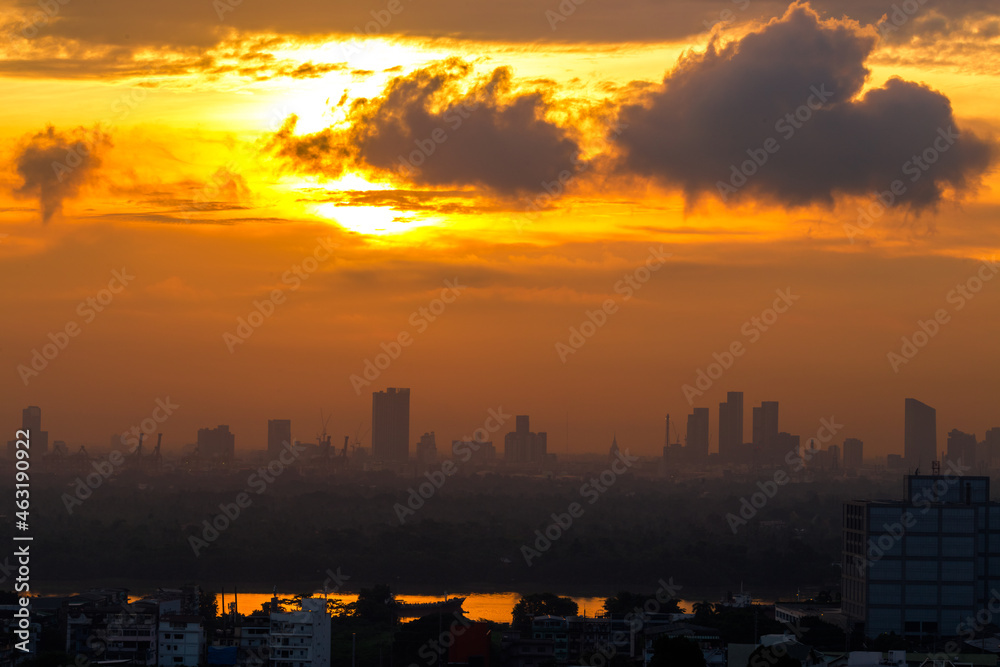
(31, 421)
(919, 434)
(279, 435)
(391, 424)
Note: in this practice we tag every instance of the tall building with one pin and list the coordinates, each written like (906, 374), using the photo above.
(921, 566)
(765, 432)
(391, 425)
(991, 447)
(919, 435)
(279, 435)
(696, 439)
(853, 454)
(427, 449)
(216, 443)
(523, 446)
(961, 448)
(301, 638)
(731, 427)
(31, 421)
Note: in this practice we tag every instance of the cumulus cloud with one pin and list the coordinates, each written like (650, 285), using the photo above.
(54, 165)
(429, 131)
(779, 115)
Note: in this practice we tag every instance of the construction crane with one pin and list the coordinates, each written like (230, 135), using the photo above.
(358, 435)
(322, 438)
(156, 452)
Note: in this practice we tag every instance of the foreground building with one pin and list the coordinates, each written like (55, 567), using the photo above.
(921, 566)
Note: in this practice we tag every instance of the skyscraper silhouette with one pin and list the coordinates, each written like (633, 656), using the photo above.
(919, 434)
(279, 432)
(391, 425)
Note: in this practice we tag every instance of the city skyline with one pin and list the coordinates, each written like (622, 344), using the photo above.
(393, 404)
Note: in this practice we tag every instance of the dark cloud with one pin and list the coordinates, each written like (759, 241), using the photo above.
(427, 130)
(54, 165)
(200, 23)
(719, 110)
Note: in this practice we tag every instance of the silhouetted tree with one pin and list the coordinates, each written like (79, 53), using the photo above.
(626, 602)
(542, 604)
(375, 605)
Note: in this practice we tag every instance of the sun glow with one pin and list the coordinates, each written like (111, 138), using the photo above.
(370, 220)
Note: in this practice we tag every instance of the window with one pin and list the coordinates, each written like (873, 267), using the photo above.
(956, 546)
(922, 594)
(921, 546)
(958, 520)
(956, 570)
(922, 570)
(957, 595)
(884, 594)
(886, 569)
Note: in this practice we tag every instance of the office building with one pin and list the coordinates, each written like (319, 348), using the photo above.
(279, 435)
(696, 439)
(181, 641)
(31, 421)
(301, 638)
(922, 565)
(216, 443)
(765, 432)
(853, 454)
(731, 427)
(961, 448)
(427, 448)
(919, 435)
(391, 425)
(991, 447)
(523, 446)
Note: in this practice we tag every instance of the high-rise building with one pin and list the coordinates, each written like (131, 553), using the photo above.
(523, 446)
(919, 435)
(696, 439)
(921, 566)
(31, 421)
(853, 454)
(991, 446)
(961, 448)
(427, 448)
(391, 425)
(731, 427)
(765, 432)
(279, 435)
(301, 638)
(216, 443)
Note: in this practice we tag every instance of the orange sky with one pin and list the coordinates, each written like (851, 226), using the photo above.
(192, 177)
